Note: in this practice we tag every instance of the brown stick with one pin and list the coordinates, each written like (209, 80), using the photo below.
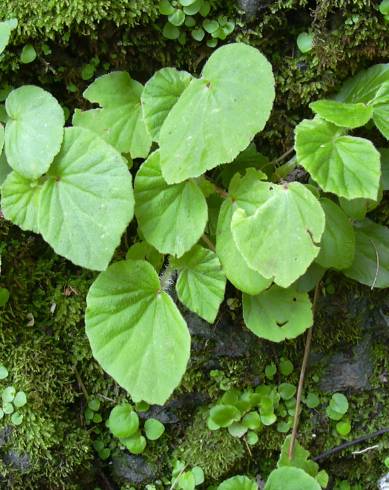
(302, 377)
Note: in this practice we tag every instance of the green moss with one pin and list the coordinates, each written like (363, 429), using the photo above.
(216, 452)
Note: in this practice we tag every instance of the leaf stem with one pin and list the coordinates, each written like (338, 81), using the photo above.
(206, 240)
(307, 350)
(284, 155)
(166, 277)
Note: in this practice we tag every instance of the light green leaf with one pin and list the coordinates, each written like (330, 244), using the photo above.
(28, 54)
(371, 261)
(300, 458)
(337, 247)
(305, 42)
(165, 7)
(339, 403)
(20, 201)
(238, 483)
(136, 444)
(171, 217)
(154, 429)
(123, 421)
(381, 109)
(128, 317)
(365, 85)
(279, 239)
(87, 186)
(6, 28)
(120, 119)
(31, 147)
(224, 415)
(344, 114)
(277, 314)
(177, 18)
(170, 31)
(5, 169)
(217, 116)
(201, 282)
(243, 193)
(145, 251)
(160, 94)
(345, 165)
(289, 478)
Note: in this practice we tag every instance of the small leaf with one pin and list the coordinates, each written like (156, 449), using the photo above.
(8, 394)
(337, 247)
(20, 399)
(31, 147)
(201, 282)
(289, 478)
(171, 217)
(237, 430)
(299, 460)
(252, 438)
(345, 165)
(123, 421)
(277, 314)
(129, 317)
(238, 483)
(3, 371)
(20, 201)
(205, 8)
(252, 421)
(333, 414)
(136, 444)
(198, 474)
(94, 404)
(286, 367)
(287, 391)
(17, 418)
(343, 114)
(28, 54)
(154, 429)
(170, 32)
(198, 34)
(4, 297)
(210, 25)
(278, 248)
(224, 415)
(371, 261)
(194, 8)
(305, 42)
(87, 185)
(177, 18)
(165, 7)
(312, 400)
(211, 109)
(119, 121)
(339, 403)
(160, 94)
(343, 427)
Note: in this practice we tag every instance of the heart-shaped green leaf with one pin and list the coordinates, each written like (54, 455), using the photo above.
(201, 282)
(120, 119)
(20, 200)
(371, 261)
(238, 483)
(344, 114)
(1, 138)
(136, 332)
(337, 247)
(160, 94)
(243, 193)
(380, 106)
(345, 165)
(300, 458)
(171, 217)
(305, 42)
(87, 200)
(277, 314)
(123, 421)
(217, 116)
(289, 478)
(31, 147)
(279, 240)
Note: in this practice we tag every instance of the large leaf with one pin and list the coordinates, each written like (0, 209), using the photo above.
(20, 200)
(243, 193)
(365, 85)
(301, 458)
(345, 165)
(201, 282)
(278, 314)
(342, 114)
(280, 239)
(5, 169)
(337, 247)
(371, 261)
(86, 202)
(120, 119)
(171, 217)
(6, 28)
(238, 483)
(160, 94)
(289, 478)
(385, 168)
(136, 332)
(34, 130)
(1, 138)
(217, 115)
(380, 105)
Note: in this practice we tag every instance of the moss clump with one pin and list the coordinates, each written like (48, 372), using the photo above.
(217, 452)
